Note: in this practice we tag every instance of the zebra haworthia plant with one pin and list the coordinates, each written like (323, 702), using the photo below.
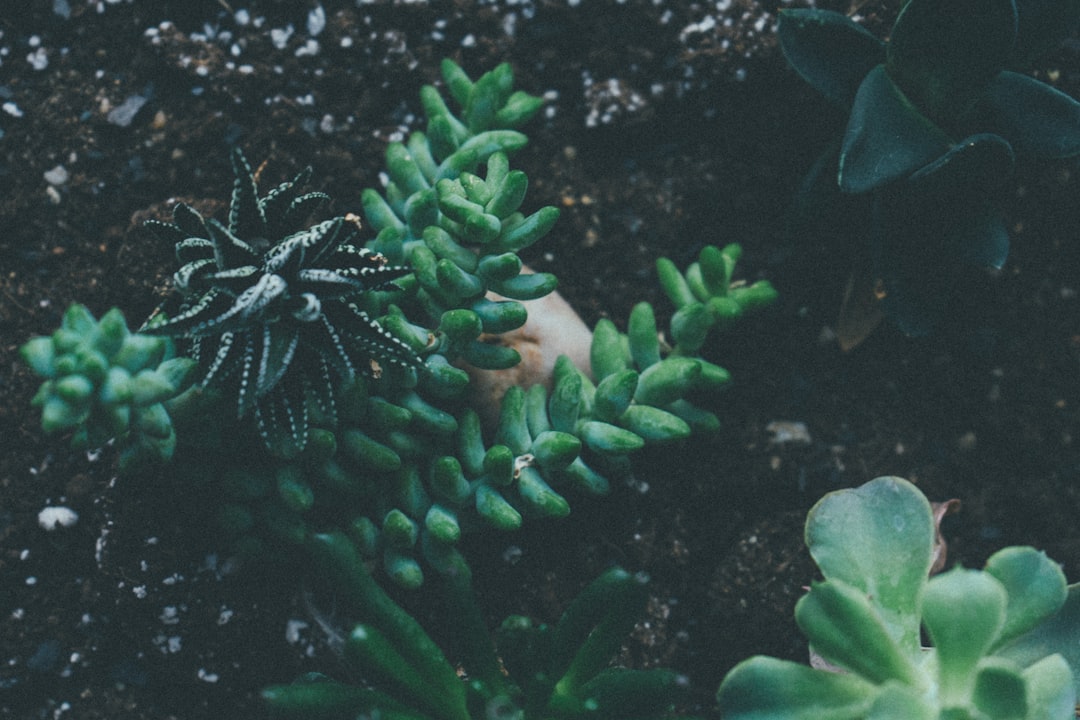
(268, 304)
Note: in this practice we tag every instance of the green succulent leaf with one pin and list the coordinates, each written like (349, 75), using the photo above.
(1058, 634)
(765, 688)
(1038, 119)
(1051, 688)
(829, 50)
(944, 52)
(982, 163)
(1000, 691)
(964, 611)
(882, 546)
(887, 137)
(844, 626)
(1035, 586)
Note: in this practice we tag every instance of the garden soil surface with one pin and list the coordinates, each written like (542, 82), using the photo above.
(668, 126)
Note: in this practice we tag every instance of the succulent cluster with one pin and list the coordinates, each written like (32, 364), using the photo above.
(937, 115)
(526, 671)
(268, 304)
(105, 382)
(1003, 637)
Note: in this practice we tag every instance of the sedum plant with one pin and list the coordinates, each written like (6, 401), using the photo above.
(525, 671)
(1004, 638)
(937, 116)
(104, 382)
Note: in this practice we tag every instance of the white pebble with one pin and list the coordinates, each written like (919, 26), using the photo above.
(57, 176)
(54, 517)
(316, 21)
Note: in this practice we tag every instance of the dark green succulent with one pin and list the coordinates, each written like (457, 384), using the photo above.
(937, 115)
(527, 671)
(269, 304)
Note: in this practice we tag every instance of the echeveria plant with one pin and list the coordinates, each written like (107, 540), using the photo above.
(1002, 638)
(937, 115)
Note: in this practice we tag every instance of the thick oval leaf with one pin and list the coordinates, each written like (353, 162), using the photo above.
(1035, 585)
(846, 629)
(981, 162)
(887, 138)
(963, 610)
(943, 52)
(829, 50)
(1059, 634)
(1000, 691)
(1033, 116)
(1050, 688)
(1041, 26)
(765, 688)
(878, 538)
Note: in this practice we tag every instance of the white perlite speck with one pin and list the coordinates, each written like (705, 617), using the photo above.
(57, 516)
(57, 176)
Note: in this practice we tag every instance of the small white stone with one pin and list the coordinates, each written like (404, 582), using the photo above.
(57, 176)
(316, 20)
(58, 516)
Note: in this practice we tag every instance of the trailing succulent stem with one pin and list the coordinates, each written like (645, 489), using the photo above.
(403, 463)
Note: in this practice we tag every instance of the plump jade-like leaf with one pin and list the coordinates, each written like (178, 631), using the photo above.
(899, 702)
(887, 138)
(845, 628)
(764, 688)
(829, 50)
(878, 538)
(1035, 586)
(943, 52)
(1050, 688)
(1041, 27)
(964, 611)
(1000, 690)
(1058, 634)
(1036, 118)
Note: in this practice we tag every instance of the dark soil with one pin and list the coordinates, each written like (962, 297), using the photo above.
(659, 138)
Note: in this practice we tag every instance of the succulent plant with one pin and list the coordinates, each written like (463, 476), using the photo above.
(269, 304)
(937, 115)
(1003, 637)
(105, 382)
(526, 671)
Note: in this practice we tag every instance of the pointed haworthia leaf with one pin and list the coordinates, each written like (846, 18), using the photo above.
(1036, 118)
(943, 52)
(829, 50)
(882, 546)
(887, 138)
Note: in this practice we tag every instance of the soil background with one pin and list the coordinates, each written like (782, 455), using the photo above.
(668, 126)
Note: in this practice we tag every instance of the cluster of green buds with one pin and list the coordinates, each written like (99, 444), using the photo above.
(527, 671)
(104, 382)
(706, 297)
(459, 230)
